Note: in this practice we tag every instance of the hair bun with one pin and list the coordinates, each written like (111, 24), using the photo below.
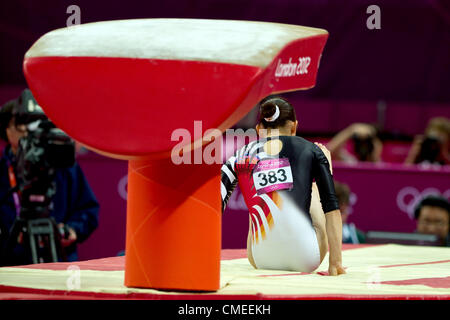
(271, 112)
(274, 112)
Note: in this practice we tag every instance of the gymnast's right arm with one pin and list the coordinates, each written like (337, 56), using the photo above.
(330, 206)
(228, 181)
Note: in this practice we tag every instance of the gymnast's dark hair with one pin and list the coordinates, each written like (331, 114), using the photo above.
(432, 201)
(268, 107)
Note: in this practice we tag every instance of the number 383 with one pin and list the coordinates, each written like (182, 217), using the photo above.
(272, 177)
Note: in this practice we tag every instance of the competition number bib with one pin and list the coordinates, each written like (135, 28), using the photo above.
(272, 174)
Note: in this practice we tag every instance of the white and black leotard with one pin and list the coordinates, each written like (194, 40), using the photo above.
(277, 192)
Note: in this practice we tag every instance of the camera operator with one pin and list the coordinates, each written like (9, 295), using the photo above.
(73, 205)
(367, 145)
(433, 146)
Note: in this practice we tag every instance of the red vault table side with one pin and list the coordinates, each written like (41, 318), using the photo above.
(123, 87)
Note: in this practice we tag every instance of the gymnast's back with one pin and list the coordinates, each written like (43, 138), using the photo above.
(275, 175)
(281, 164)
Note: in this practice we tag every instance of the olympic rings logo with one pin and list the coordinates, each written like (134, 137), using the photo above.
(409, 197)
(122, 187)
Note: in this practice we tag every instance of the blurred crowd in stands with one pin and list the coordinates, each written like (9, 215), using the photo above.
(430, 148)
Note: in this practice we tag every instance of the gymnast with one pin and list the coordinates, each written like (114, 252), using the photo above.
(287, 185)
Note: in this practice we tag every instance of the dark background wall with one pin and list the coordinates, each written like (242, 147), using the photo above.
(406, 60)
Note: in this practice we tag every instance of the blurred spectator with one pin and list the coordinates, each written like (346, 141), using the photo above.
(433, 217)
(74, 205)
(367, 145)
(350, 234)
(433, 146)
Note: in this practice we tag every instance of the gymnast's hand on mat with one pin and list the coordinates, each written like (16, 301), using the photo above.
(70, 236)
(335, 269)
(334, 234)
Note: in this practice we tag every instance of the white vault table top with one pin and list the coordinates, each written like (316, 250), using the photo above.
(228, 41)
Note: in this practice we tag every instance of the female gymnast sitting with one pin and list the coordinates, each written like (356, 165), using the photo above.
(288, 188)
